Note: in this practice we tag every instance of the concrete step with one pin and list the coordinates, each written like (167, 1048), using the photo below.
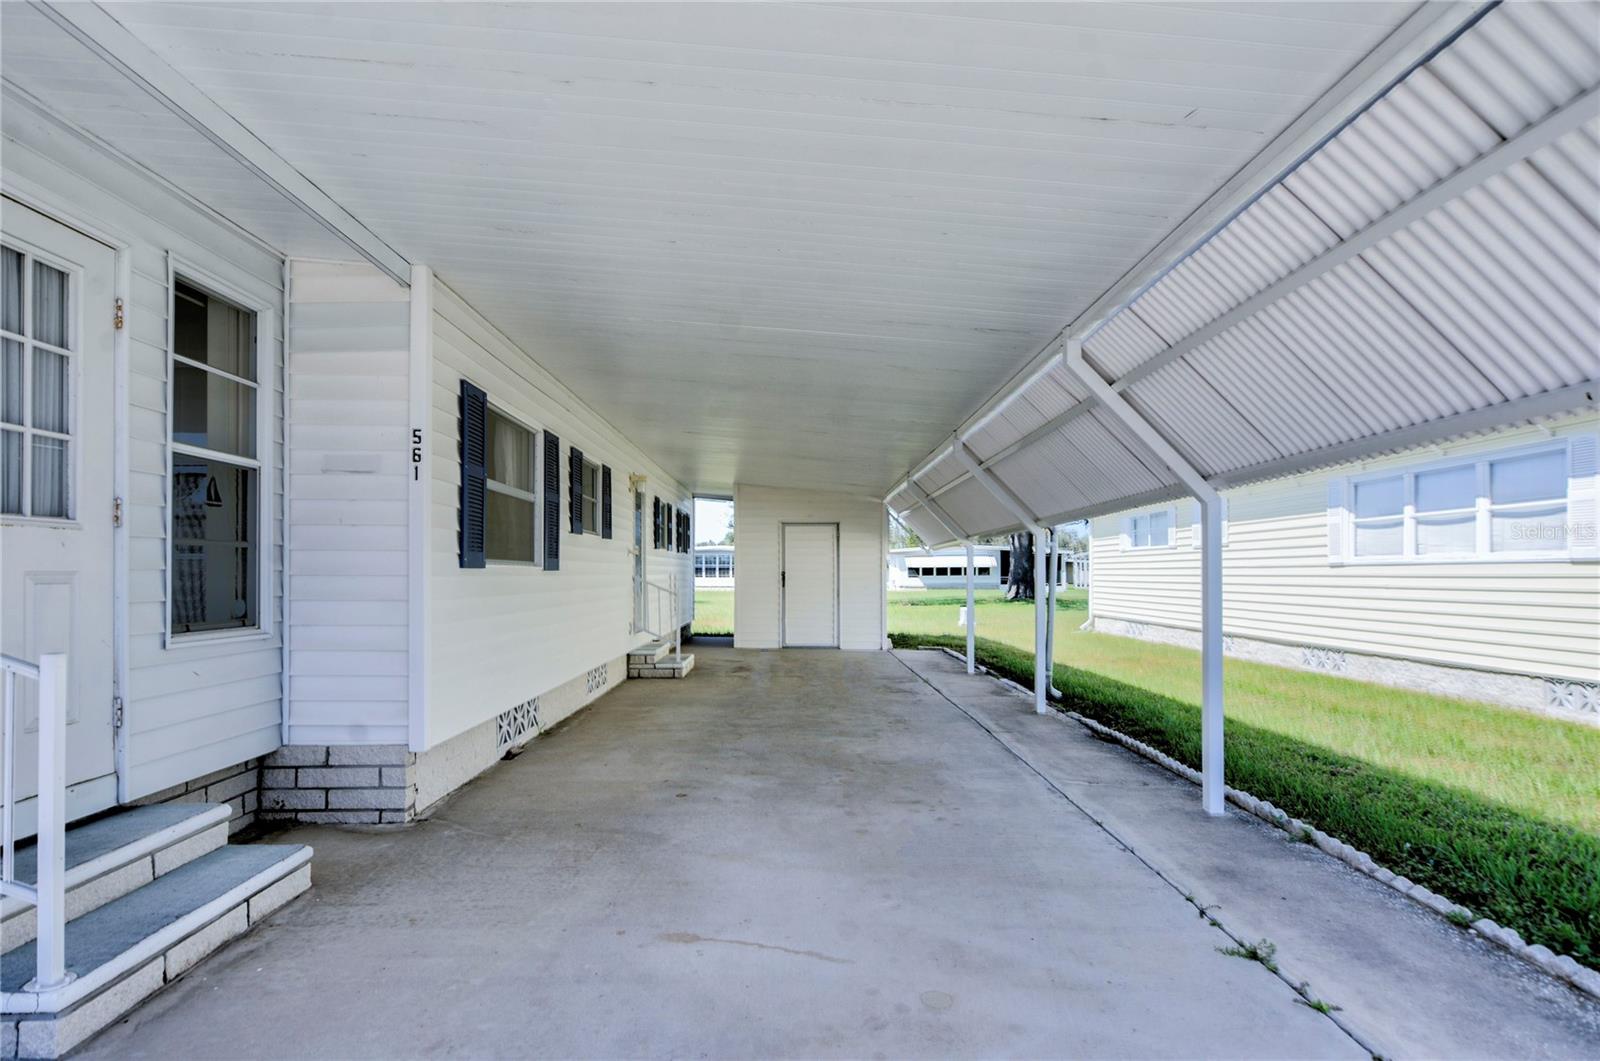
(649, 654)
(109, 857)
(666, 667)
(127, 949)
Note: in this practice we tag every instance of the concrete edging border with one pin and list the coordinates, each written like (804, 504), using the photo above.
(1561, 966)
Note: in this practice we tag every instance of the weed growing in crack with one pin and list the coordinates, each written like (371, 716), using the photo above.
(1264, 951)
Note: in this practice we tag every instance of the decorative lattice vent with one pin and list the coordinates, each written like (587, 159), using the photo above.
(598, 678)
(517, 725)
(1324, 659)
(1578, 697)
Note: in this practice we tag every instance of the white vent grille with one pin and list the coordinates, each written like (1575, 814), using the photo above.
(518, 725)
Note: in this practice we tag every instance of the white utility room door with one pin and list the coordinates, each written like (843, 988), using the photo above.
(810, 585)
(57, 379)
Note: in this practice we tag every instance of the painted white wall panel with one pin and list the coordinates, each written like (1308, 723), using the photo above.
(349, 466)
(760, 511)
(503, 634)
(1536, 618)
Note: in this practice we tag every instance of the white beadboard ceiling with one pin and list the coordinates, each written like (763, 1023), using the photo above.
(786, 244)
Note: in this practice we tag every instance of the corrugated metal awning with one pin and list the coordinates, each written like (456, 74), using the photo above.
(1432, 269)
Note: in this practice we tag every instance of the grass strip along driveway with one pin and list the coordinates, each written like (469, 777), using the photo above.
(1498, 810)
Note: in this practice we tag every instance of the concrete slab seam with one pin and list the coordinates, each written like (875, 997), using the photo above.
(1300, 989)
(1561, 966)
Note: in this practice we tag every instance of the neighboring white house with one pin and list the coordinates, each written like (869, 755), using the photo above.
(946, 568)
(1468, 569)
(713, 567)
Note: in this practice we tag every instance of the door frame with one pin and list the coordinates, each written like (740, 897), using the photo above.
(783, 584)
(29, 194)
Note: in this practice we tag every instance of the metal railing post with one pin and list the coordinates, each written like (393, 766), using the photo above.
(8, 831)
(51, 968)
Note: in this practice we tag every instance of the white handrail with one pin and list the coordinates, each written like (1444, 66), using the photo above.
(670, 590)
(48, 894)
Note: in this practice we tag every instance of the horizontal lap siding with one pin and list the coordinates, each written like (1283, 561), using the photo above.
(190, 708)
(1535, 618)
(863, 563)
(349, 470)
(504, 634)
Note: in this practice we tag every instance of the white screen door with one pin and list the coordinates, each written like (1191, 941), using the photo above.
(810, 585)
(56, 415)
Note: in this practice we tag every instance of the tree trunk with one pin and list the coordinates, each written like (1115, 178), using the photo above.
(1019, 586)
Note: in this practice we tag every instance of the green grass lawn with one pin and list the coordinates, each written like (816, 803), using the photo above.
(1497, 809)
(713, 612)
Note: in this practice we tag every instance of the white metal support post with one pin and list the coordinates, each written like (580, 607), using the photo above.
(1007, 497)
(1041, 621)
(51, 844)
(1211, 715)
(972, 616)
(1050, 613)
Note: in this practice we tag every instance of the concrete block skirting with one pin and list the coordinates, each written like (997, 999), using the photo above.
(388, 784)
(1520, 691)
(238, 786)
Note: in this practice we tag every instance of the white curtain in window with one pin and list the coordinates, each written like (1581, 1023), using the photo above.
(49, 476)
(49, 305)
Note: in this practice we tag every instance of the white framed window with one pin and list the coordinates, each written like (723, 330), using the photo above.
(1509, 505)
(219, 449)
(1149, 530)
(38, 373)
(511, 501)
(591, 497)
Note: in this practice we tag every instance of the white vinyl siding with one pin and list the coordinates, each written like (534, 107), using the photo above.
(199, 706)
(1515, 615)
(347, 577)
(863, 560)
(502, 636)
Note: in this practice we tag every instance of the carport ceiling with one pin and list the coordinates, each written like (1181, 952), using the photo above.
(775, 244)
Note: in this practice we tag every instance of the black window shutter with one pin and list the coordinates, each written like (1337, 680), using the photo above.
(552, 502)
(577, 490)
(655, 522)
(605, 500)
(474, 473)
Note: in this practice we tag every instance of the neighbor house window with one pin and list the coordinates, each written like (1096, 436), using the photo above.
(1149, 530)
(36, 347)
(216, 469)
(1472, 509)
(591, 497)
(510, 509)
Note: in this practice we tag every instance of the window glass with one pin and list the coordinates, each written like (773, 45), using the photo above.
(11, 472)
(1140, 535)
(213, 524)
(510, 453)
(212, 411)
(1383, 537)
(1536, 477)
(11, 290)
(1447, 488)
(591, 498)
(50, 309)
(1528, 529)
(508, 527)
(213, 331)
(1380, 497)
(11, 381)
(1447, 534)
(1161, 528)
(215, 518)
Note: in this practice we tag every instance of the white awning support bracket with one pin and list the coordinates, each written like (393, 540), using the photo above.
(937, 512)
(995, 485)
(1211, 747)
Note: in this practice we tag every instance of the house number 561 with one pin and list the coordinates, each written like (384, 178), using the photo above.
(416, 454)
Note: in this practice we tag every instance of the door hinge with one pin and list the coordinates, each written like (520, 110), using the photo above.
(116, 315)
(116, 511)
(116, 712)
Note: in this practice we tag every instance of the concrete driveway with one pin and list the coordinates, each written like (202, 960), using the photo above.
(787, 854)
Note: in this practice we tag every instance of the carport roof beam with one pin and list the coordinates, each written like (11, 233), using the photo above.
(995, 485)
